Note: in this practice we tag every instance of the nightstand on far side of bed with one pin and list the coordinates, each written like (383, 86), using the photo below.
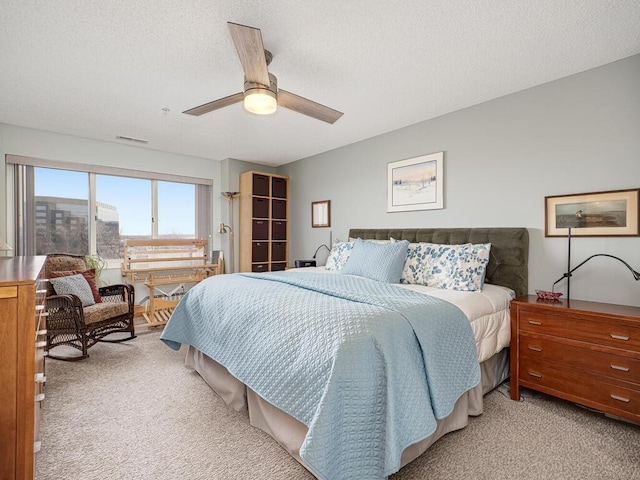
(304, 263)
(584, 352)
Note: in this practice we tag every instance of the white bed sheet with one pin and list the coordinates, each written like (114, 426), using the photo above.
(487, 310)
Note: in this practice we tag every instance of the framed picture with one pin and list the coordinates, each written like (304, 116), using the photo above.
(321, 214)
(607, 214)
(415, 183)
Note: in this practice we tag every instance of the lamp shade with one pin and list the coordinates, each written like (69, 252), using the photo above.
(260, 101)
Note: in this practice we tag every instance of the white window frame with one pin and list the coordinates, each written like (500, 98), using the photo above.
(24, 194)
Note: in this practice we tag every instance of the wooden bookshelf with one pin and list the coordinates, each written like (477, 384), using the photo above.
(264, 222)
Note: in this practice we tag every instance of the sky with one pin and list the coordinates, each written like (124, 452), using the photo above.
(131, 197)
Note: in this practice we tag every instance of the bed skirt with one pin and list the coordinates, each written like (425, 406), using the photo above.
(290, 433)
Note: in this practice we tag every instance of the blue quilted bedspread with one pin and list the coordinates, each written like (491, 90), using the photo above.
(366, 366)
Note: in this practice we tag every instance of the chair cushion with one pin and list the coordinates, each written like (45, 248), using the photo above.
(103, 311)
(76, 285)
(59, 263)
(62, 263)
(89, 275)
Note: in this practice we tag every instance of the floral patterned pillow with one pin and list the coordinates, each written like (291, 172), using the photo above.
(340, 252)
(415, 263)
(453, 267)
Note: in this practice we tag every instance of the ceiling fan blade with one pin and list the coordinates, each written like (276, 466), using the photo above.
(216, 104)
(248, 42)
(307, 107)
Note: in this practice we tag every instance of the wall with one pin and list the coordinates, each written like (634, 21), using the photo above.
(574, 135)
(231, 170)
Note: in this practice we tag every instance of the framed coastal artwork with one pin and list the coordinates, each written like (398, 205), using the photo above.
(597, 214)
(415, 183)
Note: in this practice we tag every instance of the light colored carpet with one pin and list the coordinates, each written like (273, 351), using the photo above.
(133, 411)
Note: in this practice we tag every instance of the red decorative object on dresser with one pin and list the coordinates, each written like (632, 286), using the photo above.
(584, 352)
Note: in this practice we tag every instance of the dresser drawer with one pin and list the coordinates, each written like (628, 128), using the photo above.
(41, 291)
(570, 384)
(602, 363)
(41, 321)
(602, 333)
(40, 354)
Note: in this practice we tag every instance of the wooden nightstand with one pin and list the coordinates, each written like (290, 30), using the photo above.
(305, 263)
(584, 352)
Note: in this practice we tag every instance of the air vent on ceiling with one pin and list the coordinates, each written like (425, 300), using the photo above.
(131, 139)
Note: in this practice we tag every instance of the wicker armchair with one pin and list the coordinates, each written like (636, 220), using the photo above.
(68, 323)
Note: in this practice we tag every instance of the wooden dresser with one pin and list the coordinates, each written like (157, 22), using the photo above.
(584, 352)
(264, 214)
(22, 342)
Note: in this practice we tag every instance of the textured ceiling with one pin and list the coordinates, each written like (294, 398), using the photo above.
(98, 69)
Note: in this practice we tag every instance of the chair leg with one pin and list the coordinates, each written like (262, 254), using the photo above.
(85, 347)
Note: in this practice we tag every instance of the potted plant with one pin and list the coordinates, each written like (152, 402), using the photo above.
(97, 263)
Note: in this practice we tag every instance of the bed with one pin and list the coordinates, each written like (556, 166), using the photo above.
(360, 413)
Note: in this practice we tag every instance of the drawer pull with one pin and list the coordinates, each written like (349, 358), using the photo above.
(39, 308)
(622, 399)
(37, 446)
(40, 378)
(41, 344)
(618, 367)
(535, 349)
(620, 337)
(534, 374)
(40, 397)
(535, 323)
(41, 291)
(41, 333)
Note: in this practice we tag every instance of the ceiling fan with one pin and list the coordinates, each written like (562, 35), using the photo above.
(261, 94)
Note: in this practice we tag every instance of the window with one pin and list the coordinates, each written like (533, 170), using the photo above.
(54, 204)
(62, 211)
(123, 210)
(176, 210)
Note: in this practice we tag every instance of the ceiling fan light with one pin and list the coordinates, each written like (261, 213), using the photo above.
(260, 101)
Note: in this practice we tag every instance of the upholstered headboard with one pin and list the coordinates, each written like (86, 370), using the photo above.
(508, 262)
